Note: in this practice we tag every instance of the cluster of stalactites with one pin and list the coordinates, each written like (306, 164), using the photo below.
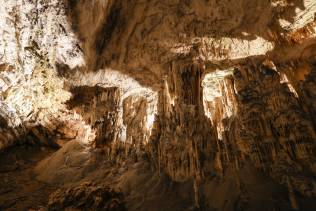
(135, 120)
(99, 107)
(113, 119)
(270, 125)
(182, 136)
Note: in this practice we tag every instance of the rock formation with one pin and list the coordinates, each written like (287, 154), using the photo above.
(99, 108)
(209, 105)
(86, 197)
(269, 127)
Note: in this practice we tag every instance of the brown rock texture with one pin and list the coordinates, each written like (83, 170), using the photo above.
(209, 103)
(86, 197)
(269, 127)
(135, 119)
(99, 108)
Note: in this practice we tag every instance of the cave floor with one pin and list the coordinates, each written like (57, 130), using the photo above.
(29, 174)
(19, 188)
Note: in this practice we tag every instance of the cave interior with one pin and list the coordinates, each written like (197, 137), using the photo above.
(157, 105)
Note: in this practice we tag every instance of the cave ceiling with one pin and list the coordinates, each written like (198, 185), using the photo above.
(141, 38)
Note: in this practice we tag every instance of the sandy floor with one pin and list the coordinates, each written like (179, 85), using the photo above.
(19, 189)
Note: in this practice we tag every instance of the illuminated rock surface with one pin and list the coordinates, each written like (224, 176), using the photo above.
(157, 105)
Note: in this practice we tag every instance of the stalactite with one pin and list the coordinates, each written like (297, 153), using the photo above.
(269, 119)
(186, 133)
(99, 108)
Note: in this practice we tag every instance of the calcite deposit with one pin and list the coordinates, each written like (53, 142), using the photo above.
(158, 104)
(86, 197)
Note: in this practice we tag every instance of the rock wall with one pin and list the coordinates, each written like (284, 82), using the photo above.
(35, 37)
(270, 127)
